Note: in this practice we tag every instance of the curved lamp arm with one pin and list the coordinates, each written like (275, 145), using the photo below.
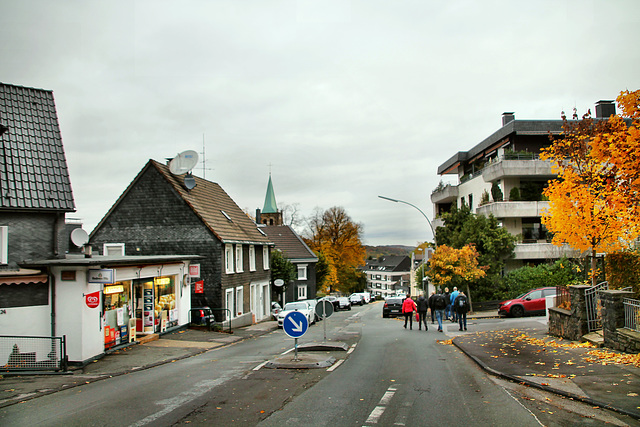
(419, 210)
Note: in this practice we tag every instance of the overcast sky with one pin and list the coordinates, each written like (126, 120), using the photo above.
(346, 100)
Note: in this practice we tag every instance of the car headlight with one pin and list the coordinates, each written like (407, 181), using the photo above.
(507, 303)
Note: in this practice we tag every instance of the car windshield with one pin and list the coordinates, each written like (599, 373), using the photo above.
(296, 306)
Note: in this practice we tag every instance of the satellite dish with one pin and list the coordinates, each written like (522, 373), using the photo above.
(189, 181)
(79, 237)
(184, 162)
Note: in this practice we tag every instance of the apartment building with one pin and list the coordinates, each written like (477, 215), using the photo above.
(503, 176)
(388, 275)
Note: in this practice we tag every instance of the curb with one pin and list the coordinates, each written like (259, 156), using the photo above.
(550, 389)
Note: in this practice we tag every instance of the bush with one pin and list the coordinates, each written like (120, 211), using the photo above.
(514, 194)
(563, 272)
(496, 192)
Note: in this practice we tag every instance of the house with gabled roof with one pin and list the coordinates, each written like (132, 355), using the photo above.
(158, 214)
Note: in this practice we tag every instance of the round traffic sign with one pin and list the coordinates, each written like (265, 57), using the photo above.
(324, 308)
(295, 324)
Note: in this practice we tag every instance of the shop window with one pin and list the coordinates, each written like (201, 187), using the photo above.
(228, 258)
(265, 257)
(239, 260)
(239, 301)
(118, 309)
(302, 291)
(302, 272)
(4, 244)
(252, 258)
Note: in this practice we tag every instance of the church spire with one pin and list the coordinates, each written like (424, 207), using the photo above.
(270, 205)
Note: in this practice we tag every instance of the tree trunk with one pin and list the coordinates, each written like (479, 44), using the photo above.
(469, 298)
(594, 265)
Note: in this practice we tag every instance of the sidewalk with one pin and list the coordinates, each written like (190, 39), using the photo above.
(529, 356)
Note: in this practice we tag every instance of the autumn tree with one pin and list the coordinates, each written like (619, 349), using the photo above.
(594, 203)
(281, 268)
(333, 234)
(455, 267)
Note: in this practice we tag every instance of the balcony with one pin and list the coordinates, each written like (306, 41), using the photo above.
(513, 209)
(448, 194)
(517, 168)
(524, 251)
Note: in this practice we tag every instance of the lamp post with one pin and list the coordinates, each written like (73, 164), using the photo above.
(419, 210)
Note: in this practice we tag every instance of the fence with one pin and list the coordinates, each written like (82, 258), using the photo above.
(594, 306)
(33, 353)
(631, 314)
(563, 297)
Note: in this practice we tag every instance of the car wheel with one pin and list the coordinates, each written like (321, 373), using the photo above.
(385, 315)
(517, 311)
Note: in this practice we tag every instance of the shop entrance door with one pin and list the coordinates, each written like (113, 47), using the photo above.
(144, 308)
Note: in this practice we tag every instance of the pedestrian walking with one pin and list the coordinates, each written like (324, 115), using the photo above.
(422, 306)
(447, 297)
(440, 304)
(408, 307)
(433, 312)
(452, 298)
(461, 307)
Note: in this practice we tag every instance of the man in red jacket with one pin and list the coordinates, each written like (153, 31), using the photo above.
(408, 307)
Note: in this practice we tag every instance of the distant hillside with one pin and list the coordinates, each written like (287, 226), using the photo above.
(378, 251)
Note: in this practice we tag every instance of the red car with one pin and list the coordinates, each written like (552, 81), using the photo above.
(529, 303)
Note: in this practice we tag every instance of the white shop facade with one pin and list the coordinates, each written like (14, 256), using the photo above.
(103, 302)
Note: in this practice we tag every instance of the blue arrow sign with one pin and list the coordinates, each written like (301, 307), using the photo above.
(295, 324)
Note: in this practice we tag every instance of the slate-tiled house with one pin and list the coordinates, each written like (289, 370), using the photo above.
(157, 214)
(35, 195)
(301, 256)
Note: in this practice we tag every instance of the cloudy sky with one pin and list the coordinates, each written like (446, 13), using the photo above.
(341, 100)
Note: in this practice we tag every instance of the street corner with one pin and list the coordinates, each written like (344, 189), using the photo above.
(301, 361)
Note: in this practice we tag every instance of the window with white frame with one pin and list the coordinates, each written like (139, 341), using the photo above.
(113, 249)
(239, 261)
(252, 258)
(228, 301)
(239, 301)
(302, 291)
(228, 258)
(265, 257)
(4, 244)
(302, 272)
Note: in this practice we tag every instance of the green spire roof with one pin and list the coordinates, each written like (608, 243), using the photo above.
(270, 205)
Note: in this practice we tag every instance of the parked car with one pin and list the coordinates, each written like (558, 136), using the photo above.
(530, 303)
(301, 306)
(344, 303)
(392, 307)
(312, 303)
(275, 309)
(201, 316)
(333, 300)
(356, 299)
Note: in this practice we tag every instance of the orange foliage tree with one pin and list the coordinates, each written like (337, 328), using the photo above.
(339, 239)
(594, 202)
(455, 266)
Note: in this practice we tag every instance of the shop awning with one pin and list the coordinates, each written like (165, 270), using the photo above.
(23, 280)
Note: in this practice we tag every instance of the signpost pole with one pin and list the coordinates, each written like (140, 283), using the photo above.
(295, 357)
(324, 320)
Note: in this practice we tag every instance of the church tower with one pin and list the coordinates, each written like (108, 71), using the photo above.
(269, 214)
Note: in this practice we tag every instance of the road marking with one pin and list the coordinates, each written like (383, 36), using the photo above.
(353, 347)
(377, 412)
(335, 365)
(257, 368)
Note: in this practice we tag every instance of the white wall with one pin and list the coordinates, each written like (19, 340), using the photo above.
(33, 321)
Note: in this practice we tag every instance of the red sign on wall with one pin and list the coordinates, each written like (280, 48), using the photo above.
(200, 287)
(93, 299)
(194, 270)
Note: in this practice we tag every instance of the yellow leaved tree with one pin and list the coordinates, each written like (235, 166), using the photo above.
(450, 266)
(594, 202)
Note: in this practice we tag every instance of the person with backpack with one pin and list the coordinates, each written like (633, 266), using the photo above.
(461, 307)
(447, 299)
(440, 304)
(422, 307)
(408, 307)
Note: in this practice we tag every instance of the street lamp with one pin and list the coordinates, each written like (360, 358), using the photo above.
(419, 210)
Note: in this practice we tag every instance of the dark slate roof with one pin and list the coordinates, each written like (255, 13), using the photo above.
(33, 167)
(515, 127)
(291, 245)
(389, 263)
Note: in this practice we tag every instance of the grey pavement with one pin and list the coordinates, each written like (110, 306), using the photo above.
(522, 355)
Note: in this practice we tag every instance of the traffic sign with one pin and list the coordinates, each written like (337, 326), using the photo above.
(324, 308)
(295, 324)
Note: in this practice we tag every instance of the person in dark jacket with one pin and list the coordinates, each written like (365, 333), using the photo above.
(423, 306)
(439, 304)
(447, 309)
(461, 307)
(433, 311)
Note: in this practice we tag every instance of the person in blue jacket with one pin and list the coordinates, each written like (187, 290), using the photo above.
(452, 298)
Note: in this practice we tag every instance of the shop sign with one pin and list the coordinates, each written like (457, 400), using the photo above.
(101, 275)
(93, 299)
(194, 270)
(108, 290)
(200, 287)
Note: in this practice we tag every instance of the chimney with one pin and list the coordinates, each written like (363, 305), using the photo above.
(507, 118)
(605, 109)
(258, 216)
